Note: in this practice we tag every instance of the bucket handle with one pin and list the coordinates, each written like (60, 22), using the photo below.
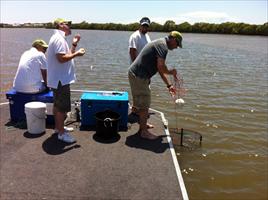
(107, 121)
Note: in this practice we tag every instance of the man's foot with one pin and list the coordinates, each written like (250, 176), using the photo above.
(149, 126)
(68, 129)
(147, 135)
(66, 137)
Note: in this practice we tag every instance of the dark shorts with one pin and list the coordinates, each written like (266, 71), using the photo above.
(62, 98)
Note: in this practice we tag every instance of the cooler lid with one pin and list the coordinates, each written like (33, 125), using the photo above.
(105, 95)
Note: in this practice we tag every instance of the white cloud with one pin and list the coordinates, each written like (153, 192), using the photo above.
(199, 16)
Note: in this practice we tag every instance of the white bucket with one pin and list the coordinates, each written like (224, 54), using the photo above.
(35, 117)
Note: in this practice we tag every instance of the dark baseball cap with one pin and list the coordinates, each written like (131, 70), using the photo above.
(145, 21)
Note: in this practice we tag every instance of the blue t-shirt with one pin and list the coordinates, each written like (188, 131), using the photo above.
(145, 65)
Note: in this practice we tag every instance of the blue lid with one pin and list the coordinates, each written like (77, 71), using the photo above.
(105, 95)
(13, 92)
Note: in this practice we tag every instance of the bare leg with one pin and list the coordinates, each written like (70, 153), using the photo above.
(143, 113)
(59, 120)
(135, 110)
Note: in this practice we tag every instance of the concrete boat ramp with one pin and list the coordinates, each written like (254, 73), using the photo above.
(126, 167)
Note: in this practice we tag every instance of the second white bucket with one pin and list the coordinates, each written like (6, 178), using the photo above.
(35, 117)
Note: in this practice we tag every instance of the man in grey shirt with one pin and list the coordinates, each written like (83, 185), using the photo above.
(150, 61)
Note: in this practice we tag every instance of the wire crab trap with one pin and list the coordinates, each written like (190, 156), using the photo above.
(183, 137)
(186, 138)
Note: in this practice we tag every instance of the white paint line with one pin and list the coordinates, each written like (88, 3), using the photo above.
(174, 157)
(5, 103)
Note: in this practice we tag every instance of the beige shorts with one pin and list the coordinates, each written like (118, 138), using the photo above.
(62, 98)
(141, 92)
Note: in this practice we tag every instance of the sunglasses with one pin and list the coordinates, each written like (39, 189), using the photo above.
(67, 23)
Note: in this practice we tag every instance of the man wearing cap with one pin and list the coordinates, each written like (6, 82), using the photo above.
(137, 41)
(150, 61)
(31, 75)
(61, 74)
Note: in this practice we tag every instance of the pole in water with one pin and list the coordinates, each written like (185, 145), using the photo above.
(200, 140)
(182, 137)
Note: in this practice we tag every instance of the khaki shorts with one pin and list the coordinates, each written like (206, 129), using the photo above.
(141, 92)
(62, 98)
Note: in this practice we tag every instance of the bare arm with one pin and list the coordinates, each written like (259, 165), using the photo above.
(44, 75)
(62, 58)
(163, 70)
(76, 39)
(133, 54)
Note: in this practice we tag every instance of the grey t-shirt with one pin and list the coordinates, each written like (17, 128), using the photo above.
(145, 65)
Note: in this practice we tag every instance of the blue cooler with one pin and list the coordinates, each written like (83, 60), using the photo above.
(97, 101)
(17, 101)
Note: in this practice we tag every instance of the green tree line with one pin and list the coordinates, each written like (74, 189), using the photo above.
(223, 28)
(185, 27)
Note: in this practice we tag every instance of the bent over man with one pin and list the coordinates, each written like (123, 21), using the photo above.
(150, 61)
(31, 75)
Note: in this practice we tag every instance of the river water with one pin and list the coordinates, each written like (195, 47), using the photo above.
(226, 77)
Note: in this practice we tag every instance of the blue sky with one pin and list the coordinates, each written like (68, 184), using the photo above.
(211, 11)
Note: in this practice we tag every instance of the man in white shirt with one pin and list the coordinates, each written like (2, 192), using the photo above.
(31, 75)
(139, 39)
(61, 74)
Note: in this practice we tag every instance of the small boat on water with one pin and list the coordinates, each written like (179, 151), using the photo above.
(39, 166)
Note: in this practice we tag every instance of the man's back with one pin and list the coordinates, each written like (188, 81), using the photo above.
(28, 78)
(145, 65)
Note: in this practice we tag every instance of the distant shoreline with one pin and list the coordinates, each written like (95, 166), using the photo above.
(223, 28)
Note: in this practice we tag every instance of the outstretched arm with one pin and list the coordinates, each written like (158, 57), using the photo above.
(163, 70)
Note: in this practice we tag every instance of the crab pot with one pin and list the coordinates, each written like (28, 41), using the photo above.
(186, 138)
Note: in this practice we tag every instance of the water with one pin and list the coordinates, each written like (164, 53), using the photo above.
(227, 101)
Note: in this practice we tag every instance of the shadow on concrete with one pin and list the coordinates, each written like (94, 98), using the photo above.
(106, 140)
(13, 125)
(53, 146)
(31, 136)
(156, 146)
